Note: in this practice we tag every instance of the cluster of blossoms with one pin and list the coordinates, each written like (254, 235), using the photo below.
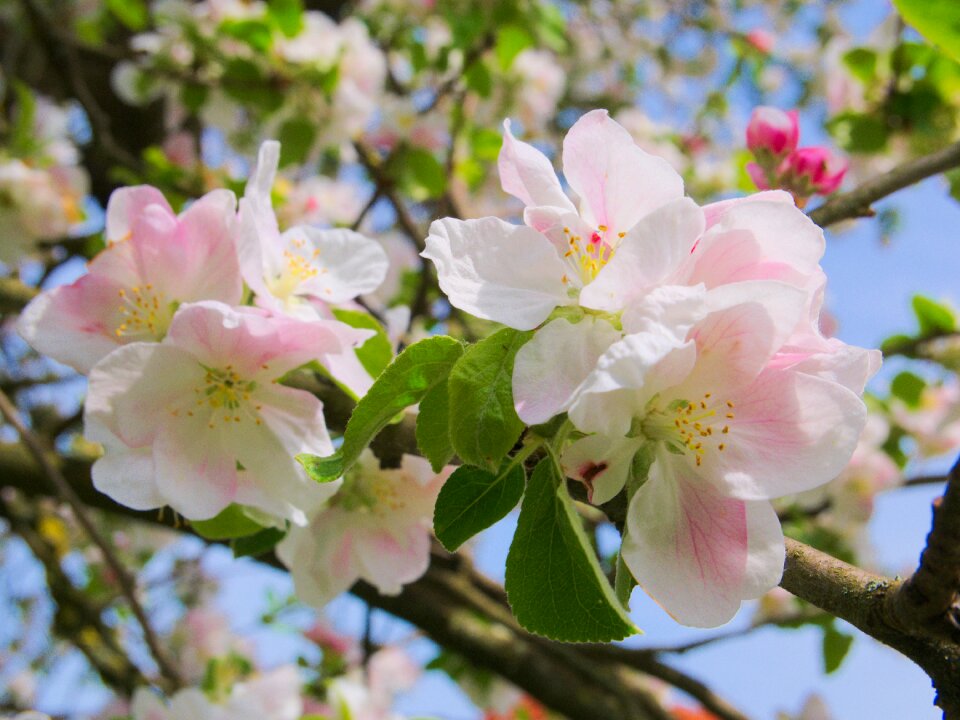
(677, 338)
(184, 380)
(42, 189)
(242, 53)
(772, 137)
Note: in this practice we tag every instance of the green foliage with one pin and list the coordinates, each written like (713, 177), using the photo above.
(934, 318)
(244, 82)
(230, 523)
(259, 543)
(433, 427)
(554, 583)
(405, 382)
(483, 423)
(623, 582)
(938, 22)
(287, 15)
(255, 33)
(296, 137)
(479, 79)
(908, 387)
(473, 499)
(511, 41)
(417, 173)
(132, 14)
(377, 352)
(836, 645)
(859, 132)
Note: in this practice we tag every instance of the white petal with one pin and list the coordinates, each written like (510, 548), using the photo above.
(602, 463)
(617, 182)
(497, 271)
(650, 252)
(766, 552)
(669, 308)
(686, 545)
(548, 370)
(527, 174)
(349, 263)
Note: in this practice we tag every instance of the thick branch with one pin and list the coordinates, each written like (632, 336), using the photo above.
(857, 202)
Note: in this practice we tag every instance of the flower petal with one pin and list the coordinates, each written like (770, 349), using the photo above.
(125, 205)
(350, 264)
(617, 182)
(766, 552)
(548, 370)
(602, 463)
(650, 252)
(497, 271)
(687, 545)
(528, 175)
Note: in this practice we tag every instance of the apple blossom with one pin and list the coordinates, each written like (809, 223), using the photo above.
(772, 133)
(155, 261)
(202, 418)
(813, 171)
(376, 528)
(724, 432)
(354, 696)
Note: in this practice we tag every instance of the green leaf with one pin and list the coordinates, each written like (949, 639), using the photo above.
(433, 427)
(859, 132)
(485, 144)
(322, 469)
(479, 79)
(296, 137)
(473, 499)
(862, 64)
(132, 14)
(908, 387)
(938, 22)
(511, 41)
(405, 382)
(418, 173)
(934, 318)
(554, 583)
(255, 33)
(287, 15)
(258, 544)
(483, 424)
(377, 352)
(193, 96)
(232, 522)
(836, 645)
(623, 582)
(896, 344)
(244, 82)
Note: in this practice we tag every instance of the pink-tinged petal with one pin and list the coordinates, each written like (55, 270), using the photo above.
(321, 557)
(497, 271)
(392, 557)
(838, 362)
(734, 343)
(782, 234)
(649, 253)
(255, 343)
(197, 258)
(125, 205)
(70, 324)
(258, 244)
(673, 309)
(264, 172)
(348, 263)
(686, 545)
(134, 388)
(601, 463)
(714, 211)
(528, 175)
(292, 422)
(789, 432)
(617, 182)
(548, 370)
(766, 552)
(195, 474)
(127, 477)
(627, 375)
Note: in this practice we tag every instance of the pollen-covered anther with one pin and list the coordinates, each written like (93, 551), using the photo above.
(142, 312)
(225, 390)
(692, 423)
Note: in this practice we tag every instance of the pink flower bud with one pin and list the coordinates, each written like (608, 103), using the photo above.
(772, 133)
(813, 170)
(761, 40)
(758, 175)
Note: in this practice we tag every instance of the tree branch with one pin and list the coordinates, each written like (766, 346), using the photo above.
(857, 202)
(66, 492)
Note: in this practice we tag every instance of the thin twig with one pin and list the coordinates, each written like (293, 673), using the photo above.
(66, 492)
(857, 202)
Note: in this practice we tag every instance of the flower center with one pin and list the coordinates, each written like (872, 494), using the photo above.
(695, 427)
(587, 256)
(143, 313)
(225, 395)
(299, 265)
(369, 491)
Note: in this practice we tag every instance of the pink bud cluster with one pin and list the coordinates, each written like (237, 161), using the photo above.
(772, 137)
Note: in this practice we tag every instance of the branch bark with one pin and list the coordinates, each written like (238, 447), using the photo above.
(858, 202)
